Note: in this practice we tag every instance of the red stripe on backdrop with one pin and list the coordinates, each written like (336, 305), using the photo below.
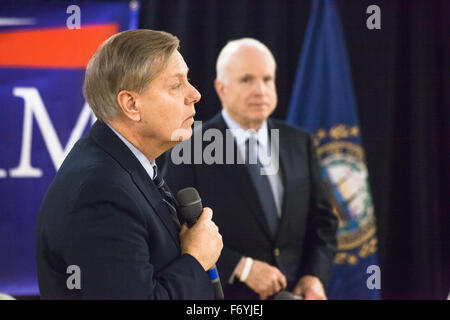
(53, 48)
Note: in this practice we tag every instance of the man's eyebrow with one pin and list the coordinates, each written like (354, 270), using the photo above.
(181, 74)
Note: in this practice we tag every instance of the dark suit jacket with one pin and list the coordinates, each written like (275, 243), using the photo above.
(306, 238)
(104, 214)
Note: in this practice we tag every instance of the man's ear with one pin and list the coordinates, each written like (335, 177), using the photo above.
(219, 86)
(127, 102)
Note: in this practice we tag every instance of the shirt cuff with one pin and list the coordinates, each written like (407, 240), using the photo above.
(233, 274)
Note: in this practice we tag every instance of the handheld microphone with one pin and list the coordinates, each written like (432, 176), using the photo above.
(286, 295)
(191, 208)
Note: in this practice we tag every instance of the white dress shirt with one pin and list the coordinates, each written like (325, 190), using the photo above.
(148, 166)
(241, 135)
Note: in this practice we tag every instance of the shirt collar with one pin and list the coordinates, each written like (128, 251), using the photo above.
(150, 167)
(241, 135)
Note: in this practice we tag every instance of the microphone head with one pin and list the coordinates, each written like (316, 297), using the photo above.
(190, 205)
(286, 295)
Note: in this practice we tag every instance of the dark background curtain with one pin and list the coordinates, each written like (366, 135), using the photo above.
(401, 76)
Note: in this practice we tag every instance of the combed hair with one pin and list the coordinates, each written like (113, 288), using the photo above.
(234, 45)
(128, 60)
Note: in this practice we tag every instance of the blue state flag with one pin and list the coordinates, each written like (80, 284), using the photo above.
(323, 103)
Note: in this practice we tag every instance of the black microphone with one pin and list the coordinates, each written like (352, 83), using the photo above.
(191, 208)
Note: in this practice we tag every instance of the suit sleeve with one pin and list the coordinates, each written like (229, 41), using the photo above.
(320, 241)
(108, 239)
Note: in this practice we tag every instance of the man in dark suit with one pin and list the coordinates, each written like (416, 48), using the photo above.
(108, 227)
(275, 216)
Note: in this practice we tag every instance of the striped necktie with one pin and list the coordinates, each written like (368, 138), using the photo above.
(262, 184)
(168, 197)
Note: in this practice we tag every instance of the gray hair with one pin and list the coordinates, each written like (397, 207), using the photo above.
(128, 60)
(232, 47)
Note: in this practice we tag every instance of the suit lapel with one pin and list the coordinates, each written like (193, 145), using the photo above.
(242, 182)
(110, 143)
(286, 165)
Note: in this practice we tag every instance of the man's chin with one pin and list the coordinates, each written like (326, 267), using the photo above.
(260, 115)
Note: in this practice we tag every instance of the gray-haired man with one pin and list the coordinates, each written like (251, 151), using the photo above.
(107, 211)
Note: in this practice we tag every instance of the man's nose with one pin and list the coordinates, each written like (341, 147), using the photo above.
(259, 87)
(194, 96)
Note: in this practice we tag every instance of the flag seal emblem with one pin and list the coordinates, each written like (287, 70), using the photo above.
(343, 163)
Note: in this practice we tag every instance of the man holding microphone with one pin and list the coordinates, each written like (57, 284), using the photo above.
(108, 212)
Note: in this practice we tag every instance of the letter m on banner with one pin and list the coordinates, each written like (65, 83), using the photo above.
(35, 106)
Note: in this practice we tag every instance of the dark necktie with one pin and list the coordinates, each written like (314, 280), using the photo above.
(262, 185)
(168, 198)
